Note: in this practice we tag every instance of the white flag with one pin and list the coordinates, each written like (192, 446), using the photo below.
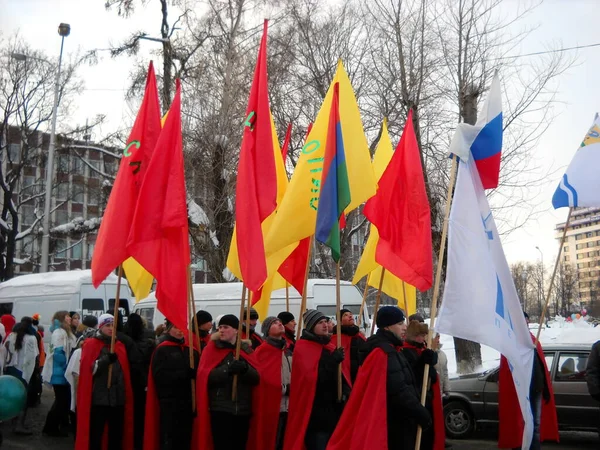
(480, 300)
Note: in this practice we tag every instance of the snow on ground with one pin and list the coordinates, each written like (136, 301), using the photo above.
(559, 331)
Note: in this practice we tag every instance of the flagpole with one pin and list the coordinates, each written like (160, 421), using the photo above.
(405, 299)
(556, 264)
(193, 301)
(191, 339)
(287, 297)
(338, 307)
(436, 286)
(113, 338)
(248, 314)
(364, 300)
(304, 293)
(377, 300)
(238, 344)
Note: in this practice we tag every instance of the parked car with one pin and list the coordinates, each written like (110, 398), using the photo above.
(473, 398)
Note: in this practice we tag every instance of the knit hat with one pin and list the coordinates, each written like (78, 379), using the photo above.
(229, 319)
(416, 328)
(285, 317)
(203, 317)
(418, 317)
(105, 319)
(266, 325)
(90, 321)
(344, 311)
(388, 316)
(253, 314)
(311, 317)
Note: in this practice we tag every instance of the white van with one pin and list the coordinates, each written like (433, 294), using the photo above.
(225, 298)
(46, 293)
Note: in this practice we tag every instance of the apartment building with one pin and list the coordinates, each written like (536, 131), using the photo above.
(582, 251)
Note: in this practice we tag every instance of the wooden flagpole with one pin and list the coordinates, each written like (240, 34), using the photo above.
(338, 307)
(377, 301)
(364, 301)
(238, 344)
(193, 301)
(405, 299)
(556, 264)
(113, 338)
(287, 297)
(191, 338)
(248, 314)
(304, 293)
(436, 287)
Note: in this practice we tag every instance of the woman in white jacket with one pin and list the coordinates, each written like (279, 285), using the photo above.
(62, 342)
(21, 353)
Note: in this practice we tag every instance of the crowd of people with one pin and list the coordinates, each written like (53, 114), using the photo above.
(158, 390)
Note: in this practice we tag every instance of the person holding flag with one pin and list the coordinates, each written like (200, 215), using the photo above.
(289, 322)
(352, 340)
(384, 409)
(253, 336)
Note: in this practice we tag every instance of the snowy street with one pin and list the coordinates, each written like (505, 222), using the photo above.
(486, 440)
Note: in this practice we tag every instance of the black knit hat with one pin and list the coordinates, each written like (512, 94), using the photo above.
(203, 317)
(253, 314)
(311, 318)
(231, 320)
(344, 311)
(285, 317)
(388, 316)
(90, 321)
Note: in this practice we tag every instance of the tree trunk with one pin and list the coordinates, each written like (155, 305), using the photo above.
(468, 354)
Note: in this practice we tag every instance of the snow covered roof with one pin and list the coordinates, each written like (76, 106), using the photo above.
(68, 282)
(223, 291)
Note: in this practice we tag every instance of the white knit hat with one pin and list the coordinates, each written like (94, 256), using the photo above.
(105, 319)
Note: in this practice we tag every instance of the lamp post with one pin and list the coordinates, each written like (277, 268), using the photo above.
(541, 281)
(64, 30)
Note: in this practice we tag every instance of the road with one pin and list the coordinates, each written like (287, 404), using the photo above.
(483, 440)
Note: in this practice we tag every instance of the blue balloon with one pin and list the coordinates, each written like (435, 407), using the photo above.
(573, 316)
(13, 397)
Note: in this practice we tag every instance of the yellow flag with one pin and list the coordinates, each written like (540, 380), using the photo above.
(139, 279)
(393, 286)
(296, 218)
(367, 265)
(272, 284)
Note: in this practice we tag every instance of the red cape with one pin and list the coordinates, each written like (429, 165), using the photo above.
(89, 354)
(364, 421)
(510, 426)
(266, 399)
(439, 428)
(211, 357)
(152, 420)
(346, 344)
(253, 337)
(289, 342)
(305, 370)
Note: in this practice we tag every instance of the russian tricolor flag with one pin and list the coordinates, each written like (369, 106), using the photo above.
(484, 139)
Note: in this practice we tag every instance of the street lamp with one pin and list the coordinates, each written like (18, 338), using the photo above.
(64, 29)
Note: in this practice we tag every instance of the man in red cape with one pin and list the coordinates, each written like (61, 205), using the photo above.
(214, 384)
(352, 339)
(289, 322)
(314, 409)
(253, 335)
(418, 355)
(169, 414)
(93, 379)
(272, 396)
(385, 382)
(204, 319)
(510, 426)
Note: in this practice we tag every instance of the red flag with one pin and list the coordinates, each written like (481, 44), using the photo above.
(256, 188)
(158, 239)
(286, 142)
(110, 249)
(401, 213)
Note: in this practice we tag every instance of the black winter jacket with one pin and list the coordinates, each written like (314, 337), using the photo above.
(404, 409)
(136, 363)
(326, 410)
(145, 345)
(171, 373)
(220, 384)
(593, 371)
(101, 394)
(355, 344)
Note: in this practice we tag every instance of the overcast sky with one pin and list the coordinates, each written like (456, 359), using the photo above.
(565, 23)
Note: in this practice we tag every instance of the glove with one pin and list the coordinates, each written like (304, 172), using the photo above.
(429, 357)
(112, 357)
(287, 390)
(192, 373)
(338, 355)
(238, 367)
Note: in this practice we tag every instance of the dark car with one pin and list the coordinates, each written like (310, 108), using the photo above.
(474, 398)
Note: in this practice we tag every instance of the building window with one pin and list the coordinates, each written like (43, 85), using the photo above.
(93, 196)
(97, 168)
(14, 151)
(62, 191)
(60, 248)
(78, 165)
(566, 248)
(566, 258)
(77, 194)
(76, 250)
(27, 215)
(90, 250)
(580, 256)
(579, 237)
(63, 163)
(589, 234)
(62, 216)
(28, 182)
